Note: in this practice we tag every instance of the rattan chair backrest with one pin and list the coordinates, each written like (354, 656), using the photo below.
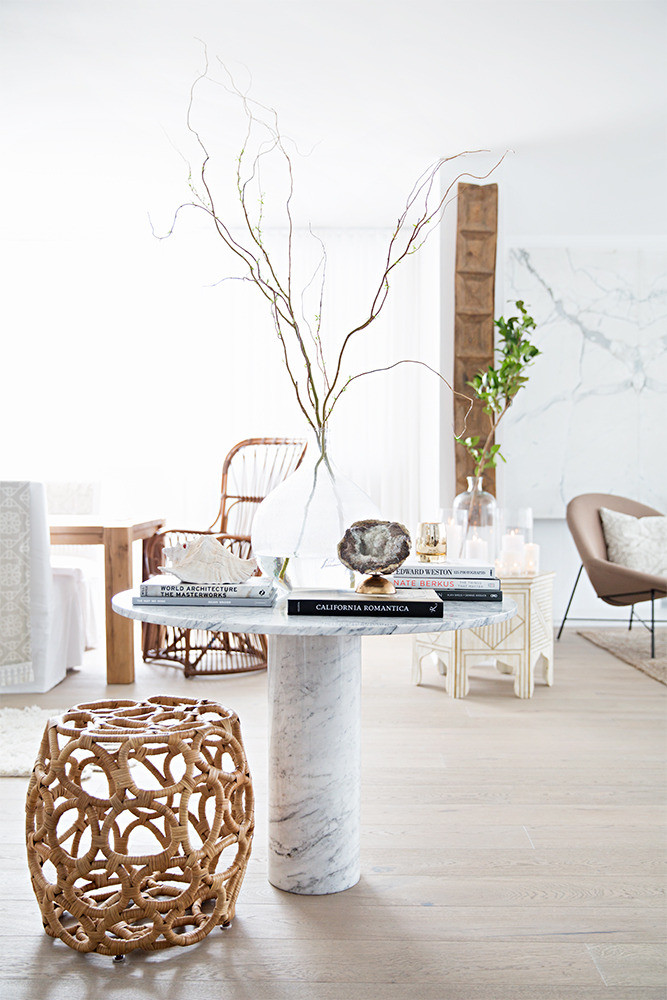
(250, 471)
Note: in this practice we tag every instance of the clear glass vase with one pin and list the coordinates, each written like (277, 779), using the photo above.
(480, 539)
(297, 528)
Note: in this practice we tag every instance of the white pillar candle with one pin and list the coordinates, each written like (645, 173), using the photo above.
(510, 564)
(476, 548)
(513, 541)
(454, 539)
(531, 554)
(502, 566)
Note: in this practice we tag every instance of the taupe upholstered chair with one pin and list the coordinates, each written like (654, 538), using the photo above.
(250, 471)
(614, 584)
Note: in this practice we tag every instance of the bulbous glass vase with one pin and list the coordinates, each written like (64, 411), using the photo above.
(297, 528)
(479, 542)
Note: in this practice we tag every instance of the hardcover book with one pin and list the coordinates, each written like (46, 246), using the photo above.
(470, 595)
(171, 586)
(446, 583)
(444, 570)
(213, 602)
(425, 604)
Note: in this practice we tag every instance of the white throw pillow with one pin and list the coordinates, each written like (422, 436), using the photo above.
(636, 542)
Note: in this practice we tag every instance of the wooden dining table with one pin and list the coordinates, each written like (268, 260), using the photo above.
(117, 537)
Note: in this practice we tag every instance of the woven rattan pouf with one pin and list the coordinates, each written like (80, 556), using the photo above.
(139, 821)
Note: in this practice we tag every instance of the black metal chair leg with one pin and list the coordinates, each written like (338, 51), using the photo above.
(653, 624)
(632, 611)
(569, 602)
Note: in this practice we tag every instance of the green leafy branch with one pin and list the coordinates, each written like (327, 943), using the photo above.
(497, 387)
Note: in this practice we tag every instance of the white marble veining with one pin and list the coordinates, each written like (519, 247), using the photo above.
(276, 621)
(592, 414)
(314, 762)
(315, 727)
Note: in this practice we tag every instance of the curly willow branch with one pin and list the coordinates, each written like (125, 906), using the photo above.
(320, 393)
(412, 361)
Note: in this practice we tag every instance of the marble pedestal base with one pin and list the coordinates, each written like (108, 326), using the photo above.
(314, 762)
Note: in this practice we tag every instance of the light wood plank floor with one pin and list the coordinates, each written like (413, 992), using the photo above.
(512, 850)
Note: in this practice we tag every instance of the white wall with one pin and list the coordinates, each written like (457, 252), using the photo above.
(127, 362)
(602, 189)
(605, 187)
(593, 183)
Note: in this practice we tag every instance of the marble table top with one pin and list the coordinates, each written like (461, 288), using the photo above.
(275, 620)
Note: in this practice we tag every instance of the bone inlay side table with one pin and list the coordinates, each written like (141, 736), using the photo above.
(517, 647)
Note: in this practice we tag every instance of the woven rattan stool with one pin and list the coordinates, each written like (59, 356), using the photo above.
(139, 821)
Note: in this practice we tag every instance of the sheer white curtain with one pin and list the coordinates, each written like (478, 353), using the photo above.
(133, 368)
(386, 430)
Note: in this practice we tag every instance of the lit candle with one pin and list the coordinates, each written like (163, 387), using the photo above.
(454, 539)
(531, 558)
(513, 542)
(476, 548)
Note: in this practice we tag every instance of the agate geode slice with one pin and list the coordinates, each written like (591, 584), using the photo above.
(374, 546)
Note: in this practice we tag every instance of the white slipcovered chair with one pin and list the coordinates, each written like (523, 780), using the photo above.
(42, 620)
(76, 499)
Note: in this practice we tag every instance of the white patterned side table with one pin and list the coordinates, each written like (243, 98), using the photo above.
(518, 646)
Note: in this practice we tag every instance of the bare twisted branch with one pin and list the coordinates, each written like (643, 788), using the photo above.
(316, 393)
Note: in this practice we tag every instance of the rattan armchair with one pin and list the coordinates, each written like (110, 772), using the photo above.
(250, 471)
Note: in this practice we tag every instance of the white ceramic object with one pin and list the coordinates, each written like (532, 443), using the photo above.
(205, 560)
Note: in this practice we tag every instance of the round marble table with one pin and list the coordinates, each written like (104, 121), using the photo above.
(315, 725)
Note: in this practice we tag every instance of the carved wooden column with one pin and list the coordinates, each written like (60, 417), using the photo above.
(476, 238)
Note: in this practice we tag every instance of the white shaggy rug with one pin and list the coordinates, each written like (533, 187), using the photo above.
(20, 736)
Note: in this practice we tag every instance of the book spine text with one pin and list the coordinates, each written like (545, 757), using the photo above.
(203, 590)
(470, 595)
(445, 572)
(435, 583)
(219, 602)
(394, 609)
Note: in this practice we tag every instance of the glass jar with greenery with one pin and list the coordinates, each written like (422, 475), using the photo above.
(496, 388)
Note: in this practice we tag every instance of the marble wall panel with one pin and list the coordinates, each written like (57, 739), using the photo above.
(593, 417)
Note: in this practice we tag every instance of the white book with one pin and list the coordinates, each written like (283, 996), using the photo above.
(170, 586)
(209, 602)
(482, 583)
(458, 570)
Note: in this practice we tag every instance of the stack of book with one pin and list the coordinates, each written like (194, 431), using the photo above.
(451, 581)
(257, 592)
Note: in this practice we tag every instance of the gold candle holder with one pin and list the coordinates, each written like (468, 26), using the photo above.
(431, 543)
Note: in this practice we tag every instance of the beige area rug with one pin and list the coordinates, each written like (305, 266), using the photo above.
(20, 736)
(634, 648)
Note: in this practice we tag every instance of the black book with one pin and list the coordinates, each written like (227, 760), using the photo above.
(470, 595)
(424, 604)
